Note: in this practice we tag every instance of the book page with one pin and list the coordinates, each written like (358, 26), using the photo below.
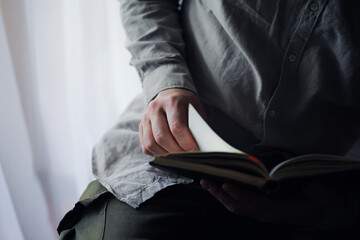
(312, 165)
(206, 138)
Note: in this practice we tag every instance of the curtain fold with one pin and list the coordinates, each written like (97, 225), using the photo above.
(16, 158)
(8, 218)
(64, 80)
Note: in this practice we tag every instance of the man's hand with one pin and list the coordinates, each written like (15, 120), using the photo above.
(302, 210)
(164, 126)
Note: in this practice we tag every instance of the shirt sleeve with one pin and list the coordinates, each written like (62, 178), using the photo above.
(154, 38)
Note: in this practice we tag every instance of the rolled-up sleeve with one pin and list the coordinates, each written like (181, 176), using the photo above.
(154, 38)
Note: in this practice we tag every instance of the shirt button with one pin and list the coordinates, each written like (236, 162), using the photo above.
(292, 58)
(272, 113)
(314, 7)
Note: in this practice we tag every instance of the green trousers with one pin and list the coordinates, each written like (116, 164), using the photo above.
(177, 212)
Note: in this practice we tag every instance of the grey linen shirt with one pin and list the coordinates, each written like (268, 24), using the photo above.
(277, 79)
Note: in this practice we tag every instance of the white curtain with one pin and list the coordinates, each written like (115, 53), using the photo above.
(64, 80)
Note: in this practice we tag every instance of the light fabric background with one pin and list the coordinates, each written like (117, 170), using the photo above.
(64, 80)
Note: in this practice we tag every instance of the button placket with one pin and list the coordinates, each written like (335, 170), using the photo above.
(292, 59)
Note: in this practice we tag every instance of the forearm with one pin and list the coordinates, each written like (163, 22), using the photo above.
(154, 38)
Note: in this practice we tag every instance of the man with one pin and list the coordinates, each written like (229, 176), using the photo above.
(273, 78)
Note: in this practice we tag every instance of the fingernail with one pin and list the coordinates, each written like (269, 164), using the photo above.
(204, 185)
(225, 187)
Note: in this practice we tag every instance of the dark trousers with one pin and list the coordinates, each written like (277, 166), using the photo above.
(177, 212)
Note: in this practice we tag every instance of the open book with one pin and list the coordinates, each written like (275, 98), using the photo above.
(217, 159)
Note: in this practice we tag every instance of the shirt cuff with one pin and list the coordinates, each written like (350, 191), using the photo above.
(164, 77)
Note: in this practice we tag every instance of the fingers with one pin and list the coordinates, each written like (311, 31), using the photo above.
(162, 135)
(243, 202)
(164, 126)
(238, 193)
(300, 212)
(147, 141)
(237, 206)
(178, 124)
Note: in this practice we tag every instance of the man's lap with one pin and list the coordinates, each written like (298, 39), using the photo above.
(177, 212)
